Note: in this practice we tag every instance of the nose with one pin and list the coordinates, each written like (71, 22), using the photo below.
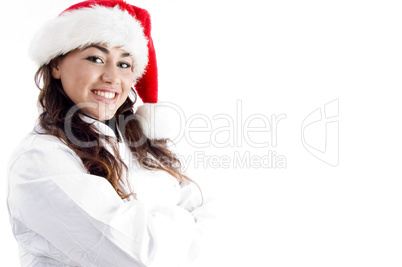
(110, 74)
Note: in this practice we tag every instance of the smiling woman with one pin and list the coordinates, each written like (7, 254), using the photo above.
(96, 75)
(88, 186)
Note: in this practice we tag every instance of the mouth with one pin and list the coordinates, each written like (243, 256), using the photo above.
(105, 94)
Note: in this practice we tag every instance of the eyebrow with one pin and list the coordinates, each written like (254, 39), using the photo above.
(105, 50)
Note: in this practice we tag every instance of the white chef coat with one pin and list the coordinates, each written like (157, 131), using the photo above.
(63, 216)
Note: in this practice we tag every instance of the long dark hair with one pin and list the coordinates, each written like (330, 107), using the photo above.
(86, 141)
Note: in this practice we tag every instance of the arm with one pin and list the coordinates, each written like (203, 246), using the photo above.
(83, 217)
(203, 209)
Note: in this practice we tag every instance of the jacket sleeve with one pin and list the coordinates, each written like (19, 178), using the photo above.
(202, 207)
(82, 216)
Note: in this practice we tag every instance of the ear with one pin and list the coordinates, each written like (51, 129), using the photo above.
(55, 66)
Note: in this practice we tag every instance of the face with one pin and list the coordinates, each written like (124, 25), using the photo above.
(97, 78)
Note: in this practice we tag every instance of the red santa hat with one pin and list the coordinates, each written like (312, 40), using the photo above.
(113, 23)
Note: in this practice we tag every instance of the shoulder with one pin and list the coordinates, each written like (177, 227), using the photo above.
(40, 151)
(33, 141)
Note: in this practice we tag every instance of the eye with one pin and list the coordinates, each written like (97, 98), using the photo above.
(124, 65)
(95, 59)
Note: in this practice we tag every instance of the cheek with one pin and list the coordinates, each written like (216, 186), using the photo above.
(127, 83)
(74, 87)
(124, 96)
(77, 81)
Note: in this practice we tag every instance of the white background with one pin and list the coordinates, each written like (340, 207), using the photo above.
(276, 57)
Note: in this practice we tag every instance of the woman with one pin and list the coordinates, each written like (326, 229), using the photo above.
(94, 184)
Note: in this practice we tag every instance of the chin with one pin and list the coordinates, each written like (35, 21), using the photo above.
(105, 117)
(100, 116)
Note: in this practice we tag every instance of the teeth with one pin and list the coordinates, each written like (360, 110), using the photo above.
(105, 94)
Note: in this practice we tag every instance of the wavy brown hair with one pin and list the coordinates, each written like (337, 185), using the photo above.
(61, 118)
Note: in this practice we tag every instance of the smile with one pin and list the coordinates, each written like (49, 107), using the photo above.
(108, 95)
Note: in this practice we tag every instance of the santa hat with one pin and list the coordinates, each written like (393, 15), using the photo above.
(113, 23)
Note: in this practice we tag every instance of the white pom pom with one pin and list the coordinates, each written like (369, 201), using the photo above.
(161, 120)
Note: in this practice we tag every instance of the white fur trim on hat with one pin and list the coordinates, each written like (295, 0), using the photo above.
(159, 121)
(74, 29)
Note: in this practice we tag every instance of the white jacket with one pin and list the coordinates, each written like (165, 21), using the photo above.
(63, 216)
